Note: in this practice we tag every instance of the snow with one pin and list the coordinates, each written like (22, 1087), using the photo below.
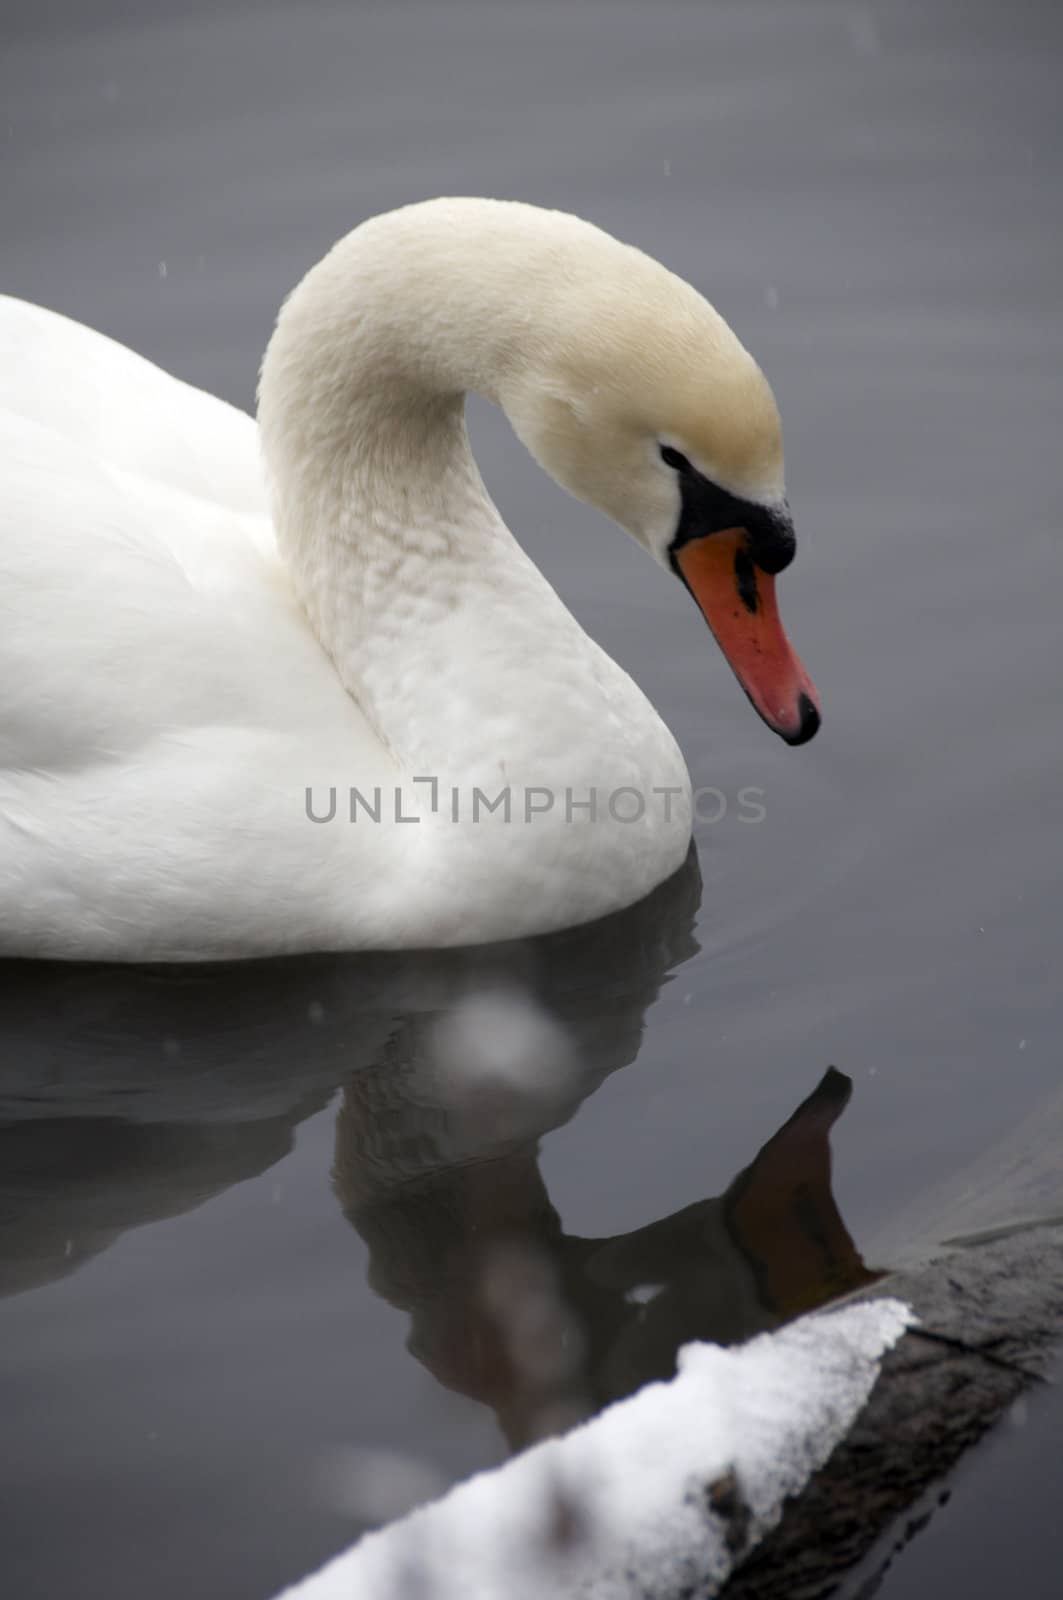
(661, 1491)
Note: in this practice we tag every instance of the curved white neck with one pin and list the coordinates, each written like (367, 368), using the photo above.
(434, 617)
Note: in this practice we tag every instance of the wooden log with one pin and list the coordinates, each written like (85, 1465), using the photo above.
(991, 1313)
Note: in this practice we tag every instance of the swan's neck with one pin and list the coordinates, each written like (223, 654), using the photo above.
(436, 621)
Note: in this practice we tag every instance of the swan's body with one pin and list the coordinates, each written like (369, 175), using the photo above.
(175, 674)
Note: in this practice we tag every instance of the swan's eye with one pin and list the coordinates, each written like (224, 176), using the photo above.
(673, 458)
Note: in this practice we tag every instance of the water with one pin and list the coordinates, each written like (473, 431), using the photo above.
(189, 1341)
(978, 1540)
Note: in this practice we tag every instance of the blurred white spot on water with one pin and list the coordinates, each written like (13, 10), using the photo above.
(771, 297)
(162, 269)
(520, 1287)
(503, 1039)
(642, 1293)
(376, 1485)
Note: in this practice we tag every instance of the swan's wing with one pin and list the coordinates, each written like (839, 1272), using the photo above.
(119, 408)
(140, 584)
(162, 697)
(130, 609)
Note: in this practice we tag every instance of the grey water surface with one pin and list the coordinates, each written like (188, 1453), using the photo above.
(249, 1225)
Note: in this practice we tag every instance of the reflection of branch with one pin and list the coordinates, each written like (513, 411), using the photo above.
(545, 1327)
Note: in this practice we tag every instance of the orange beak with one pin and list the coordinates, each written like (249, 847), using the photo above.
(737, 600)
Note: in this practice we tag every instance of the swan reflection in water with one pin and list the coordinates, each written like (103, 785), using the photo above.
(130, 1095)
(546, 1327)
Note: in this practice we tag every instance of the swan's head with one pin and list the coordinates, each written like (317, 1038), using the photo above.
(639, 399)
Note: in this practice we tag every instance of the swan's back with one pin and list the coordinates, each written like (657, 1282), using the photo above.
(120, 409)
(159, 683)
(134, 529)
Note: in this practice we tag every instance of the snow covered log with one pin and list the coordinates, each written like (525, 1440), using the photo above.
(990, 1318)
(659, 1496)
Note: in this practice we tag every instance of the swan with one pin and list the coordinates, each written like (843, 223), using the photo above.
(297, 687)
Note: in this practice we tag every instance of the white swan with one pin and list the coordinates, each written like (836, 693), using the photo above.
(178, 668)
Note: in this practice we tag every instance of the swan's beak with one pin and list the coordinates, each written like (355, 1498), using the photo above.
(737, 600)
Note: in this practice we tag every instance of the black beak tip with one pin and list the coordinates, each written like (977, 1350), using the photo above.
(808, 726)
